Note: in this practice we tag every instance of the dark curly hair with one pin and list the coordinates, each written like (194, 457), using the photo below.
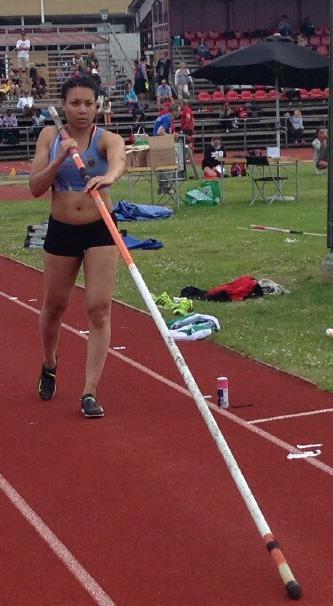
(83, 82)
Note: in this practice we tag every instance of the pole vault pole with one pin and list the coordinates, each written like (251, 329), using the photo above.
(292, 587)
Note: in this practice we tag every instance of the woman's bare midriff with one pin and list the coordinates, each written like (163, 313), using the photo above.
(76, 207)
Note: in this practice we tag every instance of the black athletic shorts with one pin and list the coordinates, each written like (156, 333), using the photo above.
(67, 240)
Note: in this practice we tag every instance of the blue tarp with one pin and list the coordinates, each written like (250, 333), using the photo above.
(148, 244)
(127, 211)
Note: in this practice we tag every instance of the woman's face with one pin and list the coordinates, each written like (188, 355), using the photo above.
(80, 107)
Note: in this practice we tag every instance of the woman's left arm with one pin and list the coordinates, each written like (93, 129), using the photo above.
(114, 147)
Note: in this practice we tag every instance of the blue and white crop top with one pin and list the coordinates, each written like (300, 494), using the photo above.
(68, 177)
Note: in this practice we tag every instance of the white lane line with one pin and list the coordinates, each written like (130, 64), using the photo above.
(221, 411)
(72, 564)
(291, 416)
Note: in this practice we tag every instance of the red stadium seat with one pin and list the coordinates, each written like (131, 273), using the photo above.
(316, 93)
(210, 43)
(232, 44)
(218, 96)
(194, 44)
(327, 30)
(214, 35)
(326, 92)
(304, 93)
(271, 94)
(319, 31)
(244, 42)
(246, 95)
(232, 96)
(260, 95)
(205, 97)
(322, 50)
(314, 41)
(221, 44)
(325, 40)
(238, 34)
(190, 36)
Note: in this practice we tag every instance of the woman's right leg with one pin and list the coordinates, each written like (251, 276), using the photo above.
(59, 278)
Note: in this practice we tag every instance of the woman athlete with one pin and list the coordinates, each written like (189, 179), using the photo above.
(76, 234)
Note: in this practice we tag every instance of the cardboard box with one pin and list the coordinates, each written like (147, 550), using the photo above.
(162, 151)
(137, 158)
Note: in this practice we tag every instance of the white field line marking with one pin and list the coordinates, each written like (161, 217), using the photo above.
(72, 564)
(224, 412)
(292, 416)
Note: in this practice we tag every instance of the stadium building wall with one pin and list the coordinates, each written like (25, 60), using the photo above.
(244, 15)
(27, 8)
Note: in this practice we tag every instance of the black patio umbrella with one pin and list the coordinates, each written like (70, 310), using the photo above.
(277, 61)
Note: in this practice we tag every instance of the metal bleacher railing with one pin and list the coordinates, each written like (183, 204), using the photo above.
(250, 134)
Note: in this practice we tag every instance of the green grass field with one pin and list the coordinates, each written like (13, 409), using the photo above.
(204, 248)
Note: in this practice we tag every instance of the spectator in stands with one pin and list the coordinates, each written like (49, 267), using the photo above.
(203, 51)
(38, 122)
(23, 48)
(140, 79)
(164, 94)
(297, 124)
(7, 88)
(14, 80)
(25, 102)
(320, 147)
(284, 27)
(38, 86)
(96, 77)
(78, 64)
(213, 155)
(130, 97)
(307, 27)
(163, 68)
(187, 123)
(182, 80)
(292, 94)
(91, 62)
(227, 117)
(11, 131)
(163, 125)
(1, 131)
(301, 40)
(106, 110)
(2, 68)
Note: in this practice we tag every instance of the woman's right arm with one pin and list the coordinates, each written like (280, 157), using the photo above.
(43, 172)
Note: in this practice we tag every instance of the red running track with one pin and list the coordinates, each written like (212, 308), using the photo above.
(138, 509)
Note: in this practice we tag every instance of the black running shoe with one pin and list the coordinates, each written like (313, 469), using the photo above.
(47, 383)
(90, 407)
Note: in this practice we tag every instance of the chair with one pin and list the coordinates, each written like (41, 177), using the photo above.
(316, 93)
(232, 96)
(218, 96)
(325, 40)
(304, 93)
(244, 43)
(314, 41)
(246, 95)
(260, 95)
(322, 50)
(221, 44)
(263, 175)
(233, 44)
(204, 96)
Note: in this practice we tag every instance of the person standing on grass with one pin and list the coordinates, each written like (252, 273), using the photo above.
(76, 233)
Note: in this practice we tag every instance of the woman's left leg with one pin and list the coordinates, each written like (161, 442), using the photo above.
(100, 269)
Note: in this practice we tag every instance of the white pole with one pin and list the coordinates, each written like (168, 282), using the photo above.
(42, 11)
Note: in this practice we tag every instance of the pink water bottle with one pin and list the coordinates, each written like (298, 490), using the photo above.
(222, 392)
